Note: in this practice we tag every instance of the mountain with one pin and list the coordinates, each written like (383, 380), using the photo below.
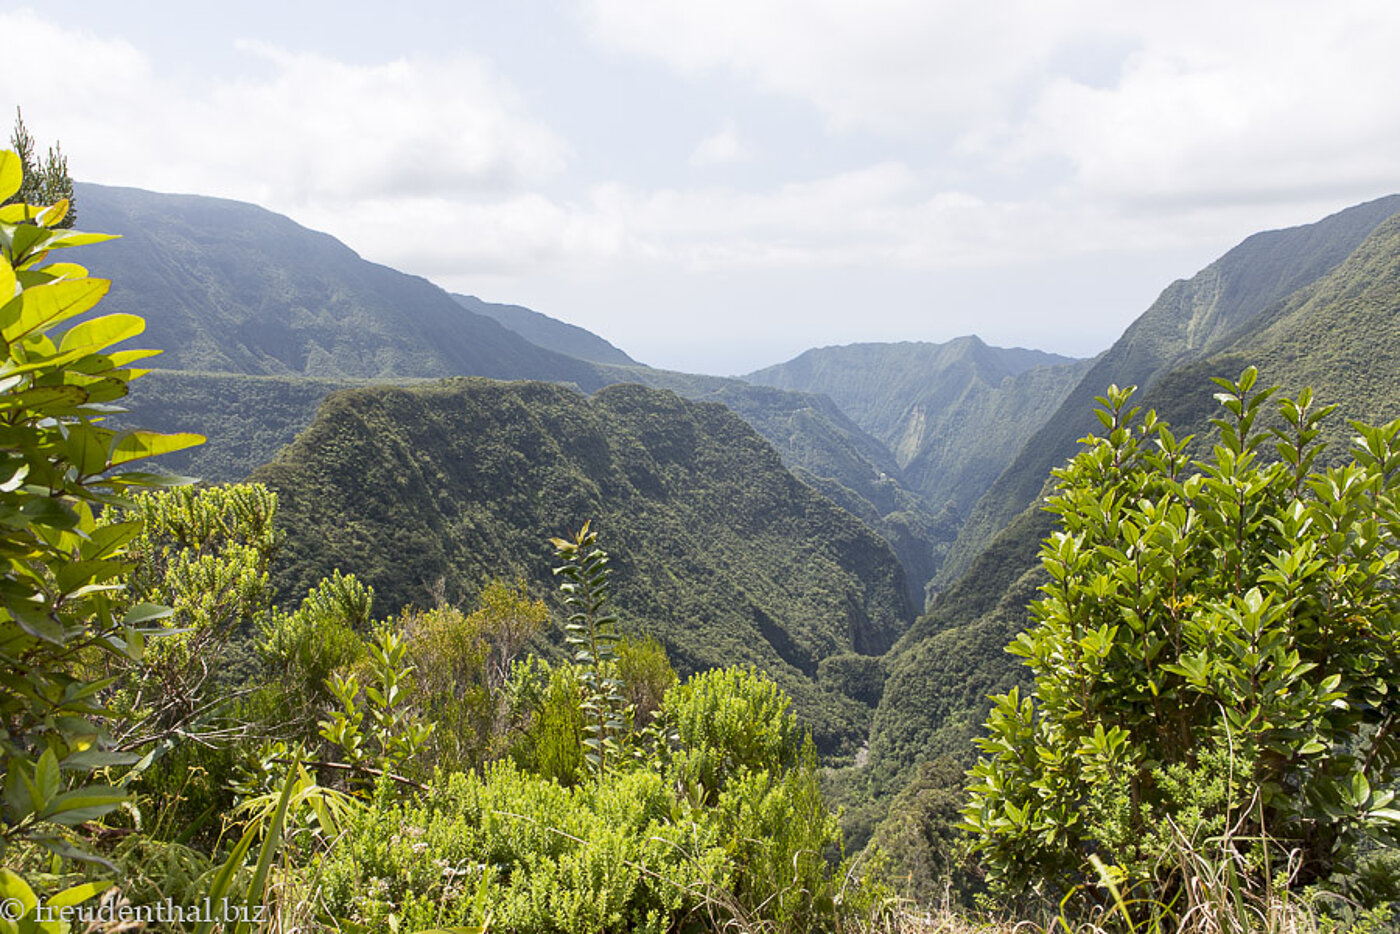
(248, 419)
(1338, 331)
(230, 287)
(1340, 335)
(1189, 321)
(262, 318)
(952, 415)
(718, 550)
(549, 333)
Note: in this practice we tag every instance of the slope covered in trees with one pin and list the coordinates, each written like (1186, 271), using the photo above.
(1336, 333)
(1189, 321)
(233, 288)
(721, 553)
(952, 415)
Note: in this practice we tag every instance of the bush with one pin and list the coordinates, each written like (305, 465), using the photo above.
(1215, 656)
(60, 573)
(727, 720)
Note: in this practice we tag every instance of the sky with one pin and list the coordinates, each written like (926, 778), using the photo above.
(717, 186)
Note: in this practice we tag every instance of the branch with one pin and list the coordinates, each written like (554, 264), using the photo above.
(349, 767)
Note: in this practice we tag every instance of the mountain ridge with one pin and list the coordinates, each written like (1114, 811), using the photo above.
(1188, 320)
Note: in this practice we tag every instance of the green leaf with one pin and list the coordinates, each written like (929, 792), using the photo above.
(101, 333)
(7, 281)
(46, 780)
(87, 448)
(11, 174)
(1360, 789)
(45, 399)
(42, 307)
(77, 894)
(145, 613)
(83, 804)
(15, 891)
(134, 445)
(67, 238)
(53, 214)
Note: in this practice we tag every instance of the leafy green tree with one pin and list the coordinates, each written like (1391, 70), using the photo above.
(61, 571)
(591, 631)
(46, 182)
(1215, 656)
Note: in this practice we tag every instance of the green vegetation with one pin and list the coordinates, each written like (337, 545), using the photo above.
(1344, 270)
(1190, 321)
(1204, 727)
(291, 765)
(42, 182)
(60, 466)
(951, 415)
(725, 558)
(1216, 657)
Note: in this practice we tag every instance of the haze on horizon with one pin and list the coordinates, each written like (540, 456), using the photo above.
(716, 187)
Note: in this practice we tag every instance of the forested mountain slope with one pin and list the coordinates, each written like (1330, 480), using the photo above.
(230, 287)
(251, 305)
(719, 551)
(952, 415)
(1340, 334)
(1189, 321)
(549, 333)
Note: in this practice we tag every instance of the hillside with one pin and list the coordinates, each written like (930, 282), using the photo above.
(1189, 321)
(952, 415)
(549, 333)
(719, 551)
(233, 288)
(1339, 334)
(250, 304)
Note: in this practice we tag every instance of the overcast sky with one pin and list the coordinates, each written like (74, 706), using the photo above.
(715, 186)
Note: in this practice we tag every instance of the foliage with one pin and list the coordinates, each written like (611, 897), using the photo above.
(551, 745)
(462, 665)
(590, 631)
(1215, 655)
(728, 720)
(619, 851)
(394, 728)
(44, 182)
(727, 558)
(646, 675)
(300, 650)
(60, 570)
(205, 554)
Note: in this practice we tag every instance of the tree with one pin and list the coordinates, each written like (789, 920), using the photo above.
(43, 183)
(61, 571)
(1215, 656)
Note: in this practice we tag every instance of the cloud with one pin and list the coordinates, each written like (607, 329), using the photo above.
(1173, 105)
(307, 131)
(721, 148)
(892, 65)
(985, 140)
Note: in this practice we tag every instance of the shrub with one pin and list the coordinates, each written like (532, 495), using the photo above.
(1215, 656)
(61, 573)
